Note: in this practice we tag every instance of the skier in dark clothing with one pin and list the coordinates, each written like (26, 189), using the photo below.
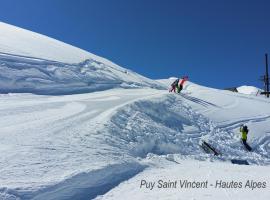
(244, 131)
(174, 85)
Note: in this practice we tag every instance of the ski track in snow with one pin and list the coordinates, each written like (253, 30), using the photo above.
(122, 129)
(177, 142)
(82, 146)
(66, 124)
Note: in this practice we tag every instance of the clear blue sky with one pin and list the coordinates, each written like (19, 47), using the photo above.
(218, 43)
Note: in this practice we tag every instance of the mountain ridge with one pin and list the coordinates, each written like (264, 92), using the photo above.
(34, 63)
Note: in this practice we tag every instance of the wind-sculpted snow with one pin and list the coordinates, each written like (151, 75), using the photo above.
(82, 146)
(34, 63)
(167, 130)
(34, 75)
(168, 125)
(161, 126)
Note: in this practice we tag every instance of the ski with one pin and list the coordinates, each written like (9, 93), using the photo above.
(208, 148)
(246, 146)
(239, 162)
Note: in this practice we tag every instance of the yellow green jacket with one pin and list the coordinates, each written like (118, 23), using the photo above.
(244, 134)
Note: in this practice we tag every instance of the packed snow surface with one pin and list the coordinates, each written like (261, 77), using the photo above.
(166, 178)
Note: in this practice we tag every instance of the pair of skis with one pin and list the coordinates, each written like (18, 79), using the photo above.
(211, 150)
(208, 148)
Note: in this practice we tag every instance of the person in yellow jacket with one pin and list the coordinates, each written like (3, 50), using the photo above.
(244, 131)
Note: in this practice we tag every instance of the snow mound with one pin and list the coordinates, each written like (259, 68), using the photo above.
(33, 63)
(249, 90)
(167, 82)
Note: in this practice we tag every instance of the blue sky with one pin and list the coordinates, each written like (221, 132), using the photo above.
(217, 43)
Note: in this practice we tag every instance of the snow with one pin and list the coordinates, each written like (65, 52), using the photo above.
(34, 63)
(18, 41)
(126, 129)
(26, 75)
(212, 173)
(250, 90)
(167, 82)
(47, 142)
(81, 146)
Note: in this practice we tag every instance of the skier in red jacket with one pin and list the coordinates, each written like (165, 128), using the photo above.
(181, 83)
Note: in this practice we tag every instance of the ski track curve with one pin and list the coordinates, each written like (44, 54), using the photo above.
(125, 127)
(80, 121)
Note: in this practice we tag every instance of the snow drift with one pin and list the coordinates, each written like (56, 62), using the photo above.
(33, 63)
(249, 90)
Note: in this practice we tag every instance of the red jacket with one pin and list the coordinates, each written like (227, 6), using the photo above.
(183, 80)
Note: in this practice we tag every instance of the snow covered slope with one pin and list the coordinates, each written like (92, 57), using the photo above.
(18, 41)
(209, 114)
(81, 146)
(168, 175)
(102, 144)
(30, 62)
(167, 82)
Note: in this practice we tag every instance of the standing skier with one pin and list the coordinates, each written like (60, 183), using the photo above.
(174, 85)
(244, 131)
(181, 83)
